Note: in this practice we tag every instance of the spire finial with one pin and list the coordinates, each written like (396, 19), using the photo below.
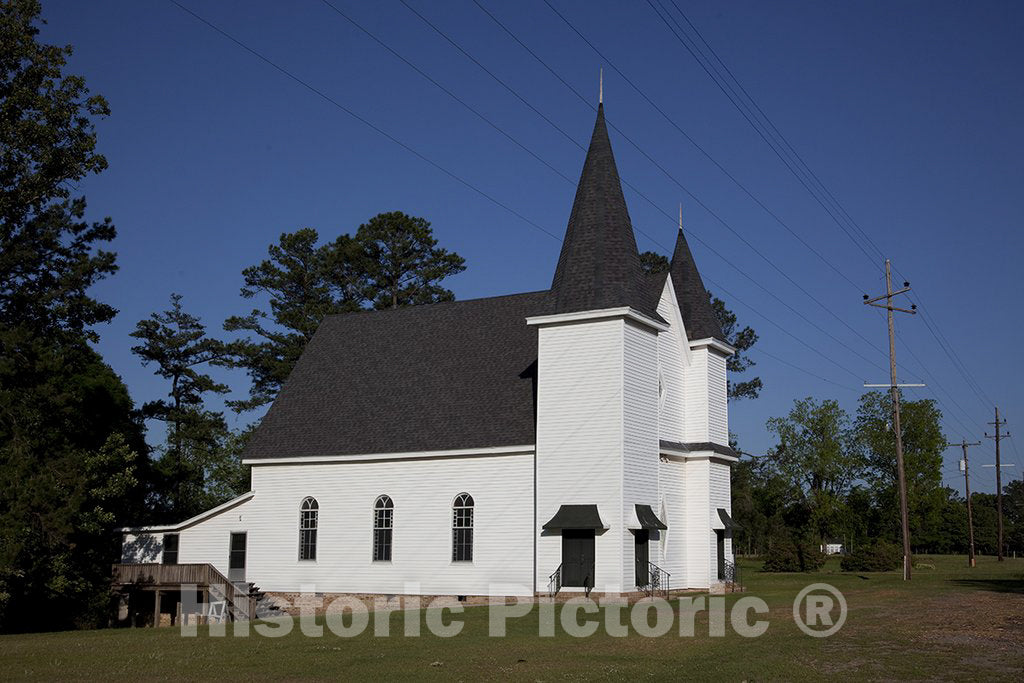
(600, 86)
(680, 216)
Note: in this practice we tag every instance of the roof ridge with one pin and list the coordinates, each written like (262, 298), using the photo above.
(434, 304)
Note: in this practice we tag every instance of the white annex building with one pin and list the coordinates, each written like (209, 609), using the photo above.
(568, 439)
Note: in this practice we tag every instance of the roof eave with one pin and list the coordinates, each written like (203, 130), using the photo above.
(626, 312)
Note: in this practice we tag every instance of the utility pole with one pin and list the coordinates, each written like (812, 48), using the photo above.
(999, 480)
(895, 393)
(970, 514)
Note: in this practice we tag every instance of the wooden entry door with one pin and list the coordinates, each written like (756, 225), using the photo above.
(642, 557)
(236, 558)
(578, 557)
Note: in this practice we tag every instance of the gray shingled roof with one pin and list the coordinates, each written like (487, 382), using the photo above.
(699, 317)
(450, 375)
(599, 266)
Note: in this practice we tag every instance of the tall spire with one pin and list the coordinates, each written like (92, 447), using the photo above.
(699, 317)
(599, 266)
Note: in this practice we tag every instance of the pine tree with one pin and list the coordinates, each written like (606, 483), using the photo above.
(198, 440)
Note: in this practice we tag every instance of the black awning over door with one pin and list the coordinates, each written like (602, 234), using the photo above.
(648, 520)
(727, 520)
(575, 517)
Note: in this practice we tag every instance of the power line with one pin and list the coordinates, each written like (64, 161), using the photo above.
(696, 199)
(757, 129)
(362, 120)
(780, 139)
(419, 155)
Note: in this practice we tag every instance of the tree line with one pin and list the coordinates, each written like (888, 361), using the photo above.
(74, 459)
(831, 477)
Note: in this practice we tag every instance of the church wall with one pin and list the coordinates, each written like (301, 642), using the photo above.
(640, 451)
(423, 491)
(671, 350)
(718, 410)
(580, 438)
(696, 397)
(142, 548)
(700, 539)
(672, 544)
(721, 497)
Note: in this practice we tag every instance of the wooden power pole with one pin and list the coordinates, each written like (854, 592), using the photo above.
(895, 393)
(999, 482)
(971, 562)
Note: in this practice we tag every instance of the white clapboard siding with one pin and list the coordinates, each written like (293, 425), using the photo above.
(700, 539)
(673, 541)
(721, 497)
(696, 399)
(423, 491)
(579, 439)
(673, 355)
(142, 548)
(640, 434)
(718, 411)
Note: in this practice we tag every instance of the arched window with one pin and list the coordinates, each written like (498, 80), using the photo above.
(462, 528)
(308, 512)
(383, 520)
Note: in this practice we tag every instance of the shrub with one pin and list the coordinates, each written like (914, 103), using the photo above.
(880, 556)
(787, 555)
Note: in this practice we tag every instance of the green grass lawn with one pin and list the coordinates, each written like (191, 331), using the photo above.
(948, 623)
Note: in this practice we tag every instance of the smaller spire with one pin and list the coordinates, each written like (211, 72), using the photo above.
(699, 317)
(600, 86)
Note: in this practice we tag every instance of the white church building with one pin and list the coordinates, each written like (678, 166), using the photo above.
(562, 440)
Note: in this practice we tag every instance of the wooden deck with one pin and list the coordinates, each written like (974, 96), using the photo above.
(162, 579)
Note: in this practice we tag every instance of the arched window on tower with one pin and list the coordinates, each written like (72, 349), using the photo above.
(308, 513)
(462, 528)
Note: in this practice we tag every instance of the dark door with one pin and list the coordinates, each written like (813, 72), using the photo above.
(641, 547)
(236, 559)
(721, 554)
(578, 557)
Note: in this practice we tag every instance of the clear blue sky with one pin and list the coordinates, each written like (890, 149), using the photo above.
(910, 112)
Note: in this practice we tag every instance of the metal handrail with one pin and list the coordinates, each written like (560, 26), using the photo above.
(658, 580)
(555, 582)
(731, 576)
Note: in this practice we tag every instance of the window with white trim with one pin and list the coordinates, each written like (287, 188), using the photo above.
(308, 513)
(462, 528)
(383, 524)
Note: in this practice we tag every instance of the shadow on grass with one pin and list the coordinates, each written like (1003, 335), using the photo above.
(994, 585)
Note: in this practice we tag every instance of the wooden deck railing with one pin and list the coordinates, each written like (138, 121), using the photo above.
(176, 575)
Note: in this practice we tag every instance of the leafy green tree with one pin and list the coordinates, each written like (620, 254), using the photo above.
(403, 264)
(652, 262)
(198, 445)
(819, 455)
(392, 261)
(923, 444)
(741, 338)
(304, 282)
(71, 468)
(71, 446)
(48, 252)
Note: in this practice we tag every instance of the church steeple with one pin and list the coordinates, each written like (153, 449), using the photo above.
(699, 317)
(599, 266)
